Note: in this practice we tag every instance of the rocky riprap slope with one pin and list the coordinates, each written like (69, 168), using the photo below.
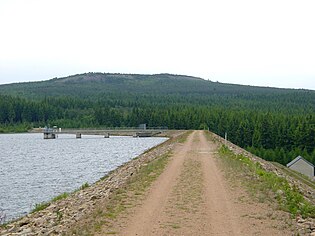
(59, 216)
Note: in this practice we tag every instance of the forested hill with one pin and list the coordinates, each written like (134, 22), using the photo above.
(161, 89)
(277, 124)
(98, 84)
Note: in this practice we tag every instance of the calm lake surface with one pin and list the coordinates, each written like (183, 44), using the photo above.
(33, 170)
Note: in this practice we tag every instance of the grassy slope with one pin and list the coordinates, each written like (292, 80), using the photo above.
(304, 179)
(267, 186)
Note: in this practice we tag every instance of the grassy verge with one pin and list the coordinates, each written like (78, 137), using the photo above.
(182, 138)
(210, 137)
(267, 185)
(186, 199)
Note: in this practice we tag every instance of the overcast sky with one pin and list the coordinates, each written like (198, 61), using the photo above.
(268, 43)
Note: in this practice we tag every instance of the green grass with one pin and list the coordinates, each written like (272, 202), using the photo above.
(44, 205)
(40, 206)
(175, 226)
(84, 186)
(182, 138)
(59, 215)
(210, 137)
(60, 196)
(267, 185)
(296, 175)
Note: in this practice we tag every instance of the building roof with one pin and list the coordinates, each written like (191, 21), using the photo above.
(297, 159)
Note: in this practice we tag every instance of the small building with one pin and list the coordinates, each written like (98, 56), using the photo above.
(302, 166)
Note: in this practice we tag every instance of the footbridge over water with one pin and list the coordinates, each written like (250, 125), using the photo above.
(53, 133)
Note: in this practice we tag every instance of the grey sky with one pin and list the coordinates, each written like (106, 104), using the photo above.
(268, 43)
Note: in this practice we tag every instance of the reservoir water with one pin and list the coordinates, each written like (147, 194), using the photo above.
(34, 170)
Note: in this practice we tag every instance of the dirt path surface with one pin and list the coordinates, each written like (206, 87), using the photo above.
(192, 197)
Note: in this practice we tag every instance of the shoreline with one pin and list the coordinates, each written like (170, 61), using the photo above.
(61, 214)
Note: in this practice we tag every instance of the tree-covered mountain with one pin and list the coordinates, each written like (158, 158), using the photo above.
(277, 124)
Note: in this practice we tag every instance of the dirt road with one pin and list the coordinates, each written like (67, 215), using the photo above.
(192, 197)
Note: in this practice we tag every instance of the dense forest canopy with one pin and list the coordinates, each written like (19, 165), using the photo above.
(276, 124)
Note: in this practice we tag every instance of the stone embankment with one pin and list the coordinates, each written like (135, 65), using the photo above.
(59, 216)
(307, 191)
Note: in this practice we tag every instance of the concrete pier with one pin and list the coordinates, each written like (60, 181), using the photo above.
(53, 133)
(49, 136)
(49, 133)
(145, 134)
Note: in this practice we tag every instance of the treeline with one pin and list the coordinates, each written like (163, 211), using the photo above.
(276, 135)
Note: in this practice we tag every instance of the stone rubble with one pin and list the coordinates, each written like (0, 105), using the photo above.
(60, 215)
